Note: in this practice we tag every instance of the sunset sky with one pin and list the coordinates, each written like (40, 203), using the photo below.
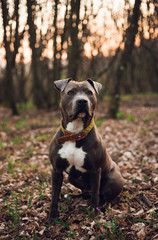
(103, 25)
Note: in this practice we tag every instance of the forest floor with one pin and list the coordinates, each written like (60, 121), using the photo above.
(25, 176)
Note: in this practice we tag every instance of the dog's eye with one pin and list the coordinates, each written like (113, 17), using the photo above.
(90, 92)
(70, 93)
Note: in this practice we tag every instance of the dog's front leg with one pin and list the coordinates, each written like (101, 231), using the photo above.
(57, 178)
(95, 177)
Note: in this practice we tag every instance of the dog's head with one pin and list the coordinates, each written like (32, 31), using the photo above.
(78, 99)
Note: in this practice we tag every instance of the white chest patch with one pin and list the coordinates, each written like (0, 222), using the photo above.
(75, 156)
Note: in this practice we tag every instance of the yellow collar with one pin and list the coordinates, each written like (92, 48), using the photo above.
(69, 136)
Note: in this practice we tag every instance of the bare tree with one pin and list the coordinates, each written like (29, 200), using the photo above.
(56, 69)
(150, 45)
(37, 88)
(130, 35)
(55, 62)
(74, 45)
(10, 54)
(64, 35)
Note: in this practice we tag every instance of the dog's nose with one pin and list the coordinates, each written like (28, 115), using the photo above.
(82, 102)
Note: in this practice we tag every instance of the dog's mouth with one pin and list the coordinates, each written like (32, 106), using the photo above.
(81, 115)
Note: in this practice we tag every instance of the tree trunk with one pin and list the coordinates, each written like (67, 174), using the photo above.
(130, 35)
(55, 67)
(63, 35)
(10, 57)
(37, 88)
(56, 74)
(17, 37)
(74, 46)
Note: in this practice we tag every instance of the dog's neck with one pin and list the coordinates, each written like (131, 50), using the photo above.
(75, 135)
(76, 125)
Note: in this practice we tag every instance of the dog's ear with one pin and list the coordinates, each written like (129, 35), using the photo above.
(97, 86)
(61, 84)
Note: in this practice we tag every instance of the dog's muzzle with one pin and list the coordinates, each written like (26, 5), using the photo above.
(82, 108)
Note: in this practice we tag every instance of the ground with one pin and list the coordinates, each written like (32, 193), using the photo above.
(25, 176)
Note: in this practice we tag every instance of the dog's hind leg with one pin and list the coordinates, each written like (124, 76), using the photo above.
(111, 185)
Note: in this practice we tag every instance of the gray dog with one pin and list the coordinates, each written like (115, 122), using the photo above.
(78, 148)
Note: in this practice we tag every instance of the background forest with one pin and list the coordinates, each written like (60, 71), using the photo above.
(113, 42)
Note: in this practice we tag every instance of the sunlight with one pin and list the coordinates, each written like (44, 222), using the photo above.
(103, 24)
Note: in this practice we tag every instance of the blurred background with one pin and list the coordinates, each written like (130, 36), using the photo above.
(114, 42)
